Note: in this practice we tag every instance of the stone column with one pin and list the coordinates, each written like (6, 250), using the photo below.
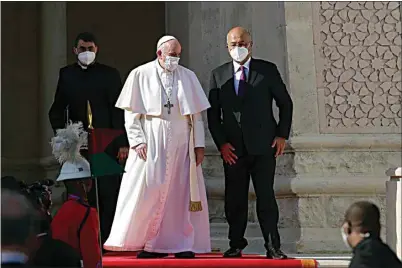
(394, 210)
(346, 128)
(53, 57)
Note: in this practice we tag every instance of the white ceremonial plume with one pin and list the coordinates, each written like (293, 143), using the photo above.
(164, 39)
(68, 142)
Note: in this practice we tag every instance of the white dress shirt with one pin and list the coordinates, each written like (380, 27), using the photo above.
(237, 73)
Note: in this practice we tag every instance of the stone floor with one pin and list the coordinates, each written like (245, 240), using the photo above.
(327, 261)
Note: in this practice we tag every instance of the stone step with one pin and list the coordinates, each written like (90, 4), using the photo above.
(220, 243)
(327, 261)
(255, 245)
(294, 240)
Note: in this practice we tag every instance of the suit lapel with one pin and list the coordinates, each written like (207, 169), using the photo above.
(252, 73)
(253, 77)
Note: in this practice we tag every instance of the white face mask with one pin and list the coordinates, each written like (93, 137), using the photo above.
(171, 63)
(239, 54)
(345, 239)
(87, 57)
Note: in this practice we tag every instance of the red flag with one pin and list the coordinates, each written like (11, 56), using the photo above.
(102, 164)
(100, 138)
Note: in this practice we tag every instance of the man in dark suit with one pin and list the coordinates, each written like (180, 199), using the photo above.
(246, 133)
(88, 80)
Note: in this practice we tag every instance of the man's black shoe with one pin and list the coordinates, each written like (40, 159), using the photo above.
(151, 255)
(232, 253)
(185, 255)
(276, 253)
(269, 256)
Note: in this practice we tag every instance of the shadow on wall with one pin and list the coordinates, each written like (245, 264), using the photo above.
(288, 202)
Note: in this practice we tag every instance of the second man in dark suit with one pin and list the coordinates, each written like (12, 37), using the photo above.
(244, 129)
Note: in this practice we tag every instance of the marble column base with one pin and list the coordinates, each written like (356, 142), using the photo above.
(394, 210)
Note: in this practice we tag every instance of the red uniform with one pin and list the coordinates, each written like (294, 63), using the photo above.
(66, 225)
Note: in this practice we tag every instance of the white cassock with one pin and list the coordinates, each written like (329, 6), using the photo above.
(152, 212)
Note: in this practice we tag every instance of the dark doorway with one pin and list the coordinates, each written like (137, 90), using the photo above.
(127, 32)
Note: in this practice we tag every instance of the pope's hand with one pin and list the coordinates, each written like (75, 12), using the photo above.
(141, 150)
(280, 144)
(122, 154)
(199, 155)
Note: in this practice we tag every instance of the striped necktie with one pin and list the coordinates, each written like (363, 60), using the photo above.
(242, 83)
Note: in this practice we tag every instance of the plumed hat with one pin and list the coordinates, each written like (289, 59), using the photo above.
(66, 146)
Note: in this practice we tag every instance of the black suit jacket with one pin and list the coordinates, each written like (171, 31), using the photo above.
(100, 85)
(248, 122)
(373, 253)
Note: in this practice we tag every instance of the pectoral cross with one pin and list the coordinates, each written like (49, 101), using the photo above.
(168, 105)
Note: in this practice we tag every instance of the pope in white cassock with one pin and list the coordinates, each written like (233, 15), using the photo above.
(162, 205)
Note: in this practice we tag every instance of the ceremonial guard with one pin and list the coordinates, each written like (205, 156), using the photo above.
(76, 223)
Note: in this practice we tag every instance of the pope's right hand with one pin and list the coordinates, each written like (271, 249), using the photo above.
(141, 150)
(227, 153)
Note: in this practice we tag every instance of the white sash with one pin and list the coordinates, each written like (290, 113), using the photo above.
(195, 199)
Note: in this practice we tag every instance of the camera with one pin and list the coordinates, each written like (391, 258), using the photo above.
(39, 193)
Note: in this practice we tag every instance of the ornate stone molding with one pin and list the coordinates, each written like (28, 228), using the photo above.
(388, 142)
(327, 142)
(358, 65)
(312, 186)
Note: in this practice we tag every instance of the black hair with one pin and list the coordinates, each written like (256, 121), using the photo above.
(365, 216)
(86, 37)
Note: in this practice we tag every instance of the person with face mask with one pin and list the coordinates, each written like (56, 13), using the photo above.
(162, 206)
(361, 233)
(85, 81)
(243, 127)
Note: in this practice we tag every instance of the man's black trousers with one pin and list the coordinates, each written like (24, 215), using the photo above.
(261, 168)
